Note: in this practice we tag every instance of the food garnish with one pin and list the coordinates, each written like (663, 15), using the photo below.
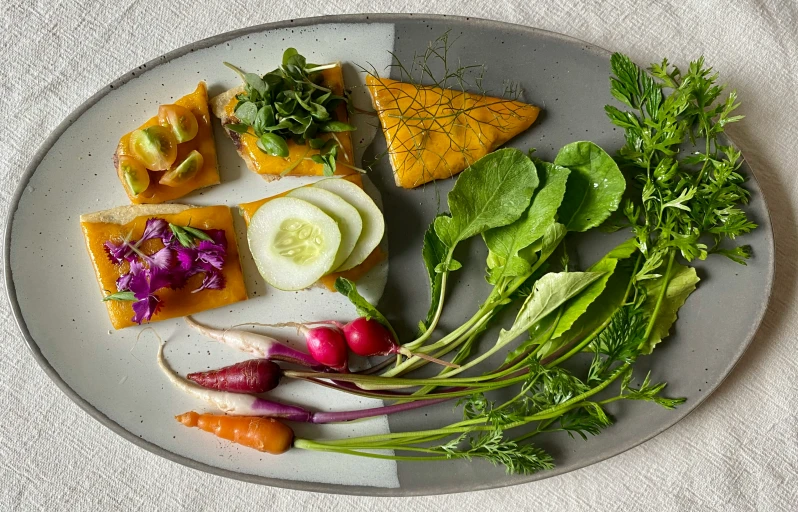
(171, 154)
(295, 113)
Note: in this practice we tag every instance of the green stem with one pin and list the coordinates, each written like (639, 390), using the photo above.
(665, 280)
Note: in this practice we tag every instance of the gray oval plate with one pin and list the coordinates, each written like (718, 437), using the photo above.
(114, 378)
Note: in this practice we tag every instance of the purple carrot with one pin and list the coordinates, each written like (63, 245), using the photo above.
(252, 376)
(249, 405)
(258, 345)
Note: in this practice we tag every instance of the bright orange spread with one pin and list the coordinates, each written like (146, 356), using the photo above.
(377, 255)
(176, 303)
(262, 163)
(197, 102)
(435, 133)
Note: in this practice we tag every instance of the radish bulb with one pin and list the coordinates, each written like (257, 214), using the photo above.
(367, 337)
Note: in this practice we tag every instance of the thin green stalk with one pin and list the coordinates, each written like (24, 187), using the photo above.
(665, 280)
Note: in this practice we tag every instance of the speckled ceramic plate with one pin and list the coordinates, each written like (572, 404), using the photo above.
(112, 374)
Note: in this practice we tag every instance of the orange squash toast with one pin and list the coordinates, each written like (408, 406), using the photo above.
(155, 262)
(434, 133)
(171, 154)
(298, 161)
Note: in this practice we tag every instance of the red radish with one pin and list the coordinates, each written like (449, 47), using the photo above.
(257, 345)
(368, 337)
(253, 376)
(327, 346)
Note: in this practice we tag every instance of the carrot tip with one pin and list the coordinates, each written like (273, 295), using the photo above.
(188, 419)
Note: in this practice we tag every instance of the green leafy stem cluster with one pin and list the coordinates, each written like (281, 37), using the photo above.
(291, 102)
(617, 310)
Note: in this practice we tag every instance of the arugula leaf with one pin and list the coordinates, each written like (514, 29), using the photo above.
(433, 253)
(595, 186)
(246, 112)
(549, 292)
(551, 330)
(599, 311)
(681, 284)
(505, 242)
(494, 191)
(539, 334)
(363, 307)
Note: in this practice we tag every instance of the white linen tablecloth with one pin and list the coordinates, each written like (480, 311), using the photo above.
(739, 451)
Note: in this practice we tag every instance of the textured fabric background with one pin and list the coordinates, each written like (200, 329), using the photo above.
(739, 451)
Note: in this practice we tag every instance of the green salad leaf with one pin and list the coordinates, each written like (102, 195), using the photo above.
(595, 186)
(494, 191)
(505, 242)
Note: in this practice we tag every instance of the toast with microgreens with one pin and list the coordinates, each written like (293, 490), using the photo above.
(292, 121)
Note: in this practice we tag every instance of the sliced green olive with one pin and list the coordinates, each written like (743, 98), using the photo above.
(155, 146)
(187, 169)
(180, 120)
(133, 174)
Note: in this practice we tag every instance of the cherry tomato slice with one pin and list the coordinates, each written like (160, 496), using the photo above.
(187, 169)
(155, 147)
(133, 174)
(180, 120)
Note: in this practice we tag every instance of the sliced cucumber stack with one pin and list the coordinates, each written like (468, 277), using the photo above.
(343, 213)
(293, 242)
(373, 222)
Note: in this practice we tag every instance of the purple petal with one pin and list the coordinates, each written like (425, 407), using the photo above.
(123, 282)
(186, 256)
(155, 228)
(145, 308)
(211, 253)
(177, 278)
(139, 285)
(159, 278)
(162, 259)
(218, 236)
(118, 253)
(212, 281)
(136, 266)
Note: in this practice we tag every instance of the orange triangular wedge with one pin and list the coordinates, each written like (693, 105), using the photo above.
(435, 133)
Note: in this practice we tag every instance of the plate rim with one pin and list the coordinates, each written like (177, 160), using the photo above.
(301, 485)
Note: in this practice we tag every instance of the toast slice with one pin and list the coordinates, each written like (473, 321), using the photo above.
(298, 160)
(434, 133)
(128, 223)
(197, 103)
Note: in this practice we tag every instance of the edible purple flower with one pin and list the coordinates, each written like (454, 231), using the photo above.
(126, 251)
(163, 259)
(123, 283)
(211, 281)
(144, 284)
(187, 251)
(211, 253)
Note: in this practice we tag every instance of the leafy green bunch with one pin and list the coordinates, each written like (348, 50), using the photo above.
(291, 102)
(685, 194)
(615, 311)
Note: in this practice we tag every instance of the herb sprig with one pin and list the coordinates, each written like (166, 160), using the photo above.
(291, 103)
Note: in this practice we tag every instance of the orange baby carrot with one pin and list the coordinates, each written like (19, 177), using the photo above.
(264, 434)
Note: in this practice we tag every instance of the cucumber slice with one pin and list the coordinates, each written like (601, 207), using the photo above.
(292, 242)
(347, 217)
(373, 222)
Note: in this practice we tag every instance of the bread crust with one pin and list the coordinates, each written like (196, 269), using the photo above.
(122, 215)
